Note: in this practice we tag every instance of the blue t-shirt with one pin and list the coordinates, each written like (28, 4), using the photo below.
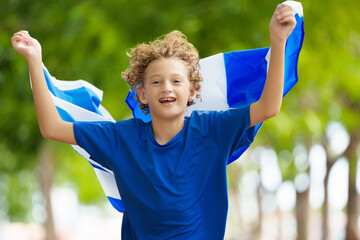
(172, 191)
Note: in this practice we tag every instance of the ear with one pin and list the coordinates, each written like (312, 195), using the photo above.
(193, 92)
(142, 95)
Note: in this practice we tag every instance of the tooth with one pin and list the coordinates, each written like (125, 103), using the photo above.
(167, 100)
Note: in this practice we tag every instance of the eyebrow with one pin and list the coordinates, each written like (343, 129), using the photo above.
(155, 75)
(172, 75)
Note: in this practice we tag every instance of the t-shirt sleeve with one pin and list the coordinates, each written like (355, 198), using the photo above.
(232, 129)
(99, 139)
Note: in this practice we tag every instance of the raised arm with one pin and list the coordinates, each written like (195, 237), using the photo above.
(281, 25)
(50, 123)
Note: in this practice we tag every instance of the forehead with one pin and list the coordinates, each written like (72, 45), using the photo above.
(166, 67)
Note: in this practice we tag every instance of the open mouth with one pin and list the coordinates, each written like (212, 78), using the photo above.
(165, 100)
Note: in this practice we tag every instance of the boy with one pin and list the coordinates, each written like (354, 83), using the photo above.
(171, 172)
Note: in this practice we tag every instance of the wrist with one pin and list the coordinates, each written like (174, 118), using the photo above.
(278, 44)
(277, 39)
(33, 59)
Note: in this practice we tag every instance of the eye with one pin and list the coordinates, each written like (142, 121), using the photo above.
(176, 81)
(156, 82)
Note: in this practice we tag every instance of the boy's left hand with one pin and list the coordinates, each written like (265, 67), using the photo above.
(281, 25)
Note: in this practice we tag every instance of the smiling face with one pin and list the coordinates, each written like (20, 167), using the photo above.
(166, 89)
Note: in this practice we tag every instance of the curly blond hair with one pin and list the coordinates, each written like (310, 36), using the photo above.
(171, 45)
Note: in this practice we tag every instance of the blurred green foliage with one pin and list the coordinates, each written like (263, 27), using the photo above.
(89, 40)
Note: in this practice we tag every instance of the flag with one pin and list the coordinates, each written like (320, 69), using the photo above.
(81, 101)
(231, 80)
(236, 79)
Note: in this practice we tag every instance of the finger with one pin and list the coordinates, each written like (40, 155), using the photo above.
(285, 14)
(16, 42)
(21, 34)
(24, 31)
(290, 20)
(18, 38)
(283, 7)
(282, 11)
(17, 34)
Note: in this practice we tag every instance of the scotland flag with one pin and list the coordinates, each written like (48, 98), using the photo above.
(231, 80)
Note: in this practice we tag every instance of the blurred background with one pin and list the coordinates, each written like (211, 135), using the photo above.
(299, 179)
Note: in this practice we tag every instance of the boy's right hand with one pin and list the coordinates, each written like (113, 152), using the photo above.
(27, 46)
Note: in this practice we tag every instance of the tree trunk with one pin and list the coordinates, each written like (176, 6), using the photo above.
(46, 176)
(302, 206)
(352, 231)
(257, 229)
(326, 215)
(302, 214)
(330, 161)
(325, 226)
(279, 216)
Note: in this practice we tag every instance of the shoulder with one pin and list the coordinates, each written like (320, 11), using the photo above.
(108, 134)
(236, 112)
(108, 127)
(132, 122)
(201, 115)
(131, 128)
(203, 120)
(231, 118)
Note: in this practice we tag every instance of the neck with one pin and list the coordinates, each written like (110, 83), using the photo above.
(165, 130)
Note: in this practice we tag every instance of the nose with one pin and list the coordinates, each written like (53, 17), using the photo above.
(167, 87)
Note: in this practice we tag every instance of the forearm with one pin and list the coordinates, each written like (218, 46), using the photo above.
(48, 117)
(281, 25)
(50, 123)
(271, 97)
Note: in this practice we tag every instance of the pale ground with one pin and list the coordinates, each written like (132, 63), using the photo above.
(75, 221)
(91, 228)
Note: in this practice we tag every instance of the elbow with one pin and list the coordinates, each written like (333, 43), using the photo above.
(50, 128)
(273, 109)
(269, 109)
(270, 113)
(60, 132)
(47, 133)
